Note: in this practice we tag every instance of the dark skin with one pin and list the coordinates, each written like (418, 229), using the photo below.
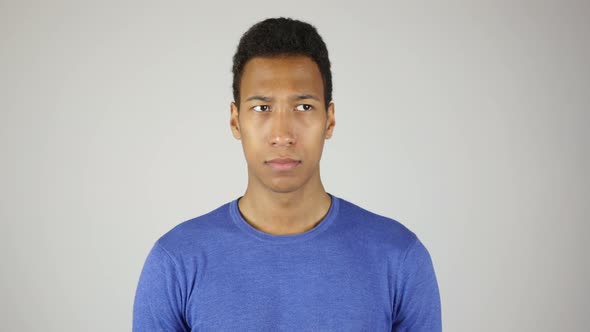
(283, 122)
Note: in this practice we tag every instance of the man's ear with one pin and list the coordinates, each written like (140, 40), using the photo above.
(234, 122)
(330, 120)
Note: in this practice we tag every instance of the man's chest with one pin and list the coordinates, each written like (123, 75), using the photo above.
(278, 289)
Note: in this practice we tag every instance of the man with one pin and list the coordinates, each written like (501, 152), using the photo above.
(287, 255)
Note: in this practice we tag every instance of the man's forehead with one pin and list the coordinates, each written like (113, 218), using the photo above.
(295, 72)
(270, 67)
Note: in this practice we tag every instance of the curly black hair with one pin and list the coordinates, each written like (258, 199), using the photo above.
(282, 36)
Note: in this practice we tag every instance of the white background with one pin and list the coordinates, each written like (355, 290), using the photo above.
(467, 121)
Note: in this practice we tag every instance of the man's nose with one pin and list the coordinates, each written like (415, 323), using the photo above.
(282, 133)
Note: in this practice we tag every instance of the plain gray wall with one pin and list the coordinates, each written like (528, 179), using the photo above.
(467, 121)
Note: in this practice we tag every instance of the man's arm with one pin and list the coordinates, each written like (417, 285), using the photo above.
(417, 301)
(158, 299)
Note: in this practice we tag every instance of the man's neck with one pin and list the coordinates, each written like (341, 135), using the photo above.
(284, 213)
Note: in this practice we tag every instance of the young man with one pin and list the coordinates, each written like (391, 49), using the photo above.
(287, 255)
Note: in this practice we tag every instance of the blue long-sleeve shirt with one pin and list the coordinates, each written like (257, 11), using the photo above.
(354, 271)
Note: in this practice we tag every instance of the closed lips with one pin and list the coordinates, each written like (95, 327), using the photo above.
(283, 164)
(283, 161)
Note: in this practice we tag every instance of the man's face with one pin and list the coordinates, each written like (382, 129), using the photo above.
(282, 122)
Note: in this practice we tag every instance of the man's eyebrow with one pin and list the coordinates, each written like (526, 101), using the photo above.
(261, 98)
(296, 97)
(306, 96)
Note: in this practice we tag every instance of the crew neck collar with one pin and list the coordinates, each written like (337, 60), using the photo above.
(237, 218)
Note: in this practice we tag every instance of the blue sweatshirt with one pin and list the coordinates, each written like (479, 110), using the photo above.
(354, 271)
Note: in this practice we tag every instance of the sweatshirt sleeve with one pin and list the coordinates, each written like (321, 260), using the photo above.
(159, 304)
(417, 303)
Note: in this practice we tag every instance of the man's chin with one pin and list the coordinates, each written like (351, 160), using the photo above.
(284, 189)
(284, 186)
(280, 184)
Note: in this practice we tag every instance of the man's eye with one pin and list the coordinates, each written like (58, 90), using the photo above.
(304, 107)
(261, 108)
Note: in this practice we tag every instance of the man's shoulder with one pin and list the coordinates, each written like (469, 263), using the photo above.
(197, 230)
(375, 226)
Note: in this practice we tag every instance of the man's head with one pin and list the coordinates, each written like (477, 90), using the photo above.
(282, 111)
(280, 37)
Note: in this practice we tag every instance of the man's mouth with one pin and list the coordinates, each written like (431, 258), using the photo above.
(283, 164)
